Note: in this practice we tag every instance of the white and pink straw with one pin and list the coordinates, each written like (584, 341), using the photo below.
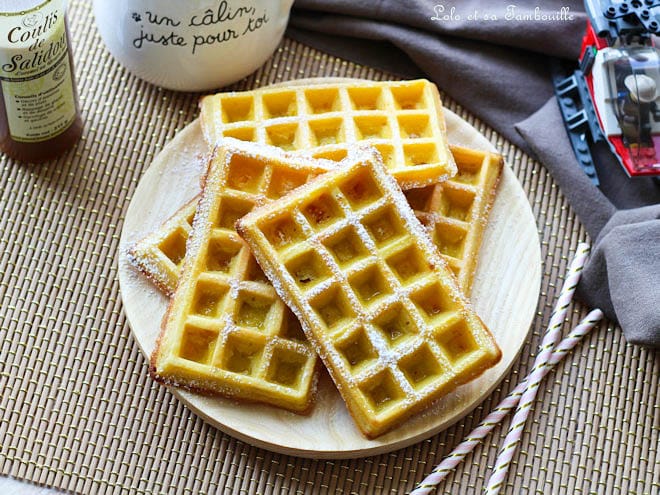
(550, 353)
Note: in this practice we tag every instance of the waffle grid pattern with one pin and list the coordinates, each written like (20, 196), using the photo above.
(160, 254)
(455, 212)
(91, 420)
(226, 330)
(374, 298)
(403, 120)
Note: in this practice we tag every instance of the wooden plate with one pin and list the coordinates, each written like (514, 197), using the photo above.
(505, 295)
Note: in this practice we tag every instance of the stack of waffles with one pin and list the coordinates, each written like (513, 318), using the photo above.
(334, 222)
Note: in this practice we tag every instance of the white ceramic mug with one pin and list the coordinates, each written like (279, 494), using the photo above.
(191, 45)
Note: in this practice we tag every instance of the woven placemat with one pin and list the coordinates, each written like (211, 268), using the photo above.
(79, 412)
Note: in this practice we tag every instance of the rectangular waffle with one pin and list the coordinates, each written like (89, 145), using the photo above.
(454, 213)
(403, 120)
(226, 330)
(348, 256)
(160, 254)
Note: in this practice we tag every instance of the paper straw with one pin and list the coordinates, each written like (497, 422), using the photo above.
(511, 401)
(539, 370)
(457, 455)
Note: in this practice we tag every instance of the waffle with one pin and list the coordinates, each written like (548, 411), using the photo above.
(455, 212)
(226, 331)
(160, 254)
(402, 120)
(382, 309)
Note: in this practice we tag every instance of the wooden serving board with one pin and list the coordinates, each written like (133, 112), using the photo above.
(505, 295)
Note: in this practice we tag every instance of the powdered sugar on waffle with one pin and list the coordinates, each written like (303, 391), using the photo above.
(355, 317)
(225, 379)
(422, 155)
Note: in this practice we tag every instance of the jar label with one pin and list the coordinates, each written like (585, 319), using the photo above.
(35, 73)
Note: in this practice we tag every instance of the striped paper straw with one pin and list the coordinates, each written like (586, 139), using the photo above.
(457, 455)
(539, 370)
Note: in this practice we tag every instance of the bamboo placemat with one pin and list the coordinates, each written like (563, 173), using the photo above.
(79, 412)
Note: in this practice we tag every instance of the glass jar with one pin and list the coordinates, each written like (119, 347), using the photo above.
(39, 113)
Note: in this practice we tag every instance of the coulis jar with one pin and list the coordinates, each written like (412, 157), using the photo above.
(39, 112)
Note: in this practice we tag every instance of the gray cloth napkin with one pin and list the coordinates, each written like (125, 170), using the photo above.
(499, 69)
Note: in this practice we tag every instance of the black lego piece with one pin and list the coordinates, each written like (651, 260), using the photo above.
(629, 17)
(579, 117)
